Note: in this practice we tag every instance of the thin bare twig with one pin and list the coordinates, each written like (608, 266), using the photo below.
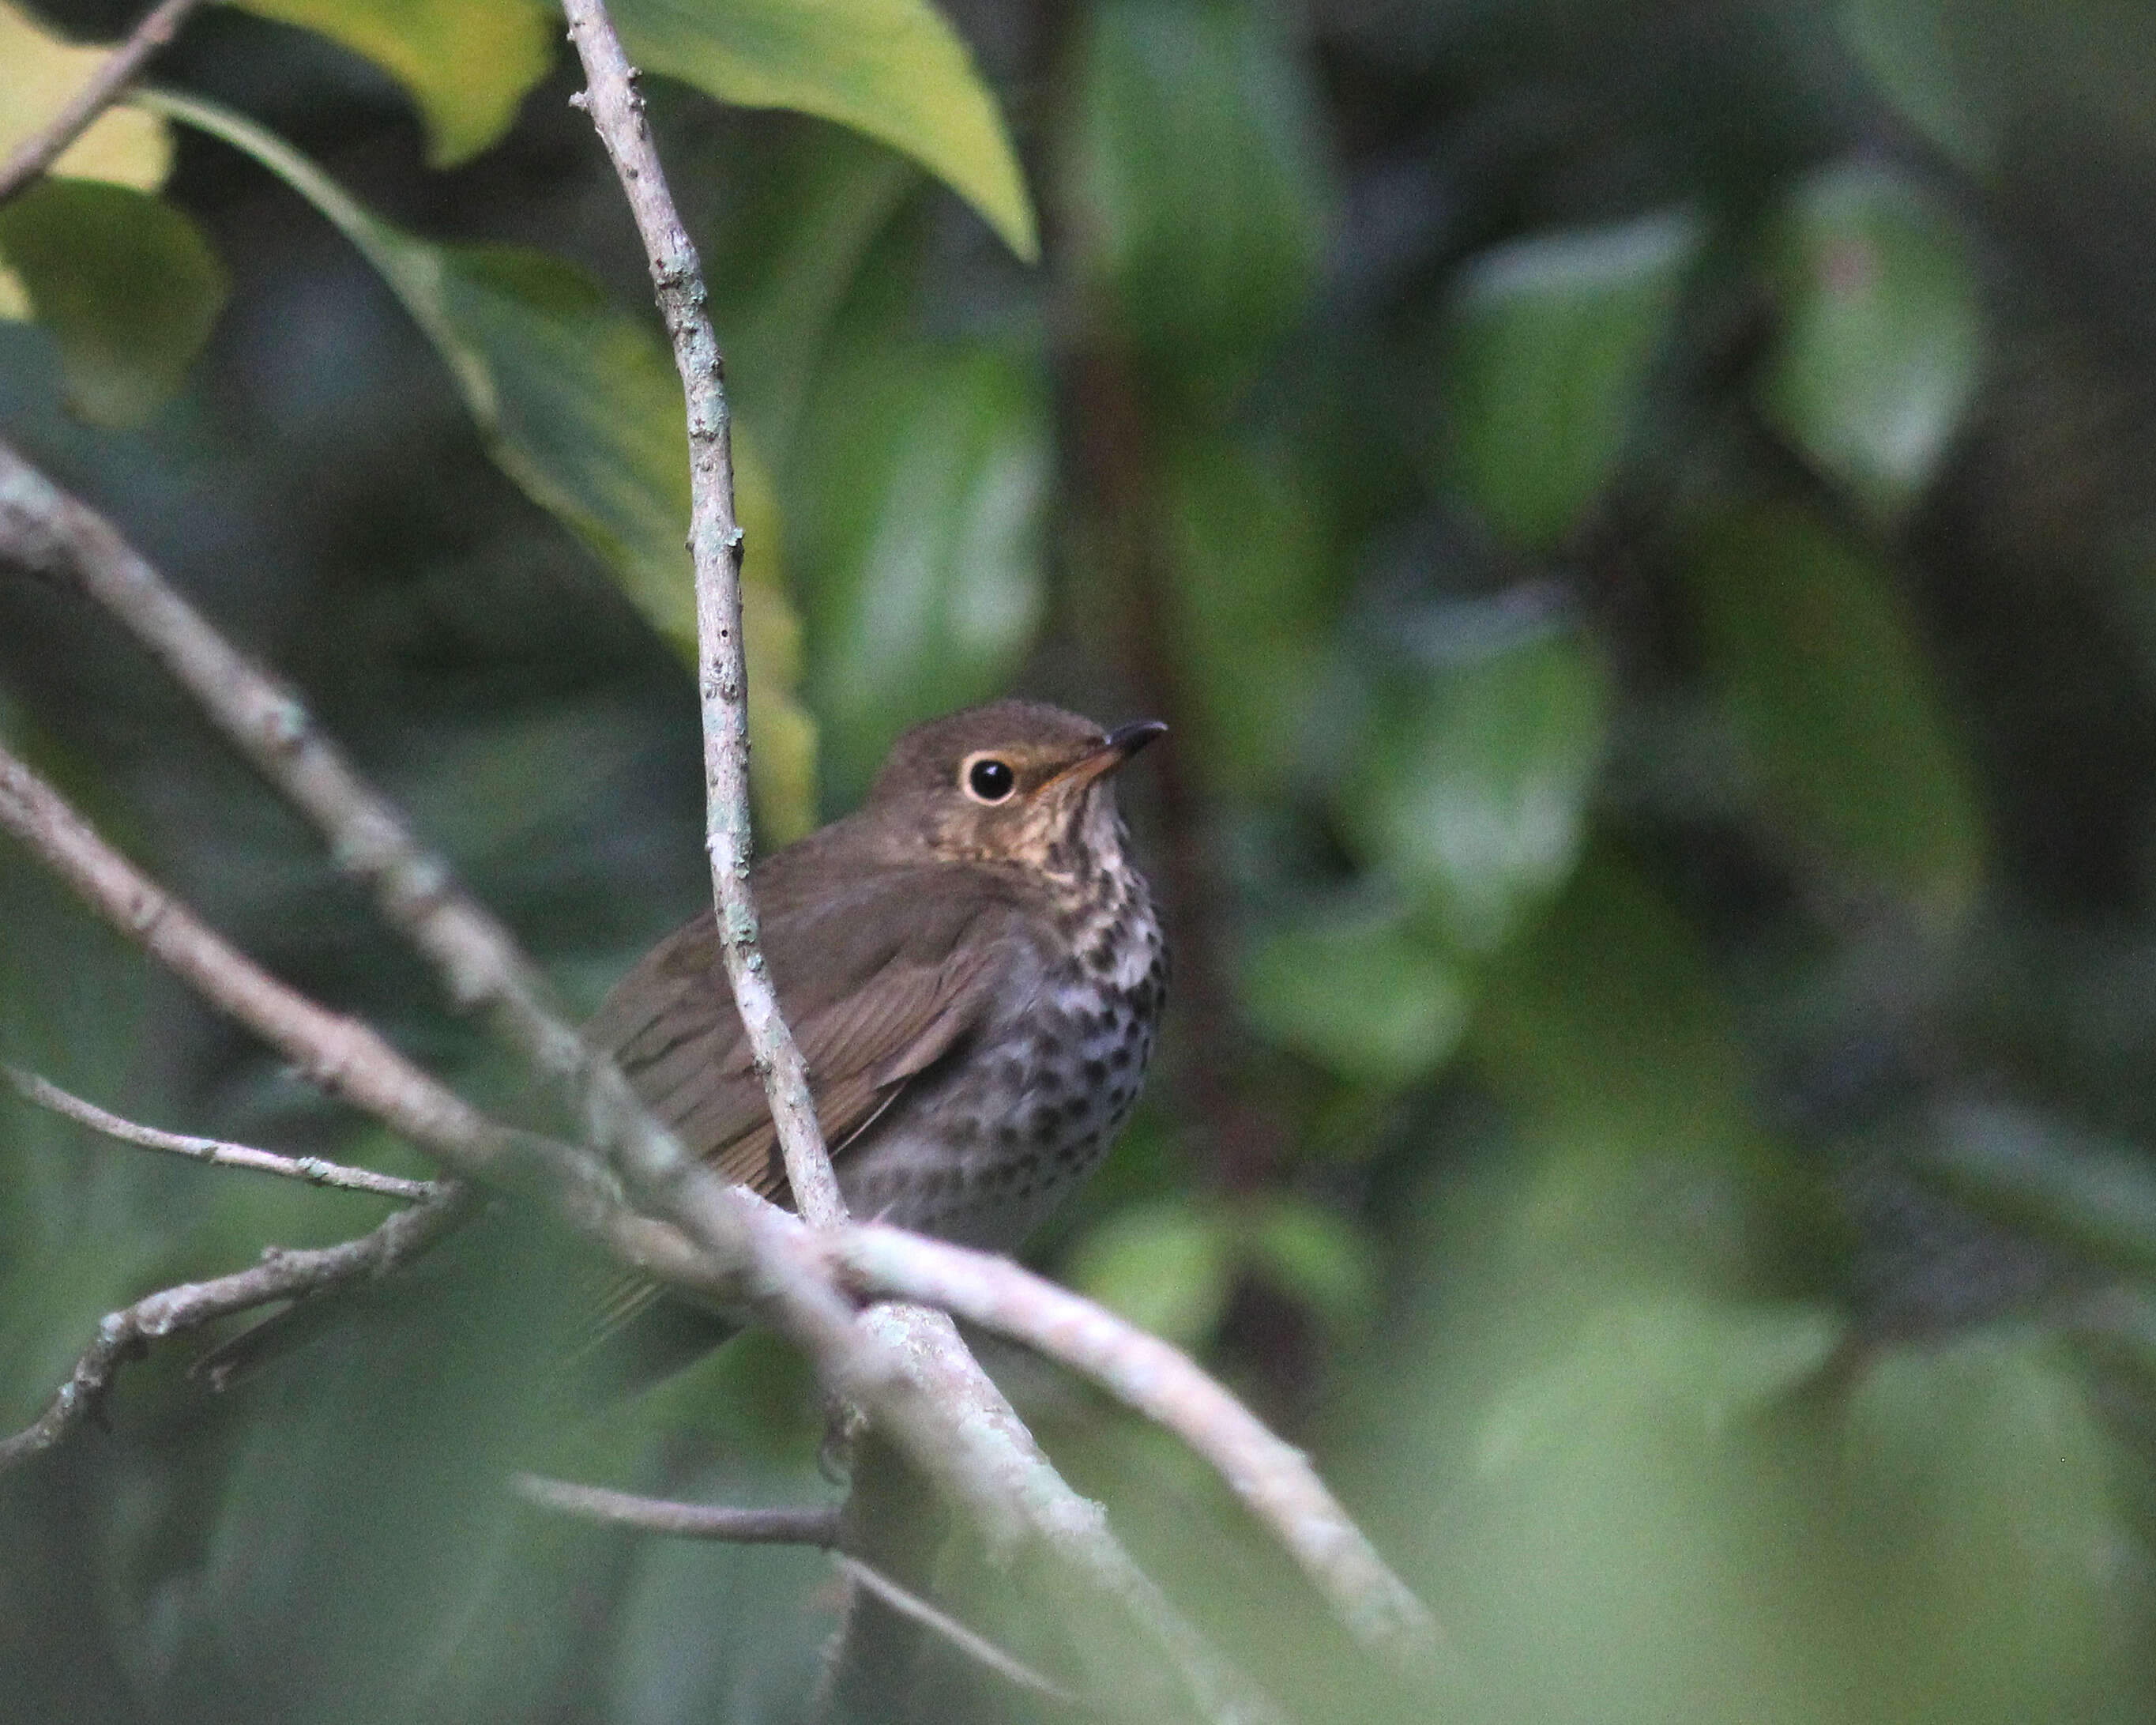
(972, 1643)
(313, 1169)
(282, 1274)
(818, 1527)
(715, 546)
(120, 69)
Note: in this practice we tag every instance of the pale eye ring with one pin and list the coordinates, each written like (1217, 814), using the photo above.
(989, 779)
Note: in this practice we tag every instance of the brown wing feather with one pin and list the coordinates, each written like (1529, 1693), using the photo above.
(878, 983)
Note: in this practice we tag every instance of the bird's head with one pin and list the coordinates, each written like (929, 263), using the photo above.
(1014, 780)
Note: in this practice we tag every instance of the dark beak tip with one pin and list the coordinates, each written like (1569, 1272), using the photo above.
(1127, 740)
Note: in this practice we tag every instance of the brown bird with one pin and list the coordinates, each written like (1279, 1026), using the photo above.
(971, 965)
(973, 968)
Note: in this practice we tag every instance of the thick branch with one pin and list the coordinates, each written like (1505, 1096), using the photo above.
(715, 547)
(681, 1520)
(281, 1275)
(120, 69)
(313, 1169)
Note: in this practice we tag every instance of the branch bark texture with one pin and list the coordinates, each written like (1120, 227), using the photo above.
(43, 1093)
(715, 546)
(1272, 1478)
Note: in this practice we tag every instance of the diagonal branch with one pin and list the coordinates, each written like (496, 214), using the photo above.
(46, 530)
(1273, 1479)
(313, 1169)
(281, 1275)
(120, 69)
(975, 1646)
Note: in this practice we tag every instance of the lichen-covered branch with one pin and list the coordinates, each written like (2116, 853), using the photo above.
(1271, 1477)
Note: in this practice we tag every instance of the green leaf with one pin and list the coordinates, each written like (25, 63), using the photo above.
(1316, 1257)
(581, 405)
(467, 63)
(1664, 1360)
(1254, 581)
(1166, 1266)
(893, 69)
(924, 479)
(1548, 344)
(1367, 998)
(1818, 661)
(1473, 776)
(128, 286)
(1988, 1456)
(1881, 342)
(1196, 178)
(1602, 1029)
(1972, 75)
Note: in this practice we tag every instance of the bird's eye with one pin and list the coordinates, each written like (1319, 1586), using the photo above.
(990, 780)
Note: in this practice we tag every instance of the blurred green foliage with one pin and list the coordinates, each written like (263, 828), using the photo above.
(1643, 521)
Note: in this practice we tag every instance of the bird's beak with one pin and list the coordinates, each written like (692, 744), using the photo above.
(1122, 743)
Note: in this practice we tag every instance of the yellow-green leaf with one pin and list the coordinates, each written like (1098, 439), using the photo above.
(39, 74)
(581, 405)
(467, 63)
(893, 69)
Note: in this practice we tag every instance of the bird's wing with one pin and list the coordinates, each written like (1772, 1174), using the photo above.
(878, 981)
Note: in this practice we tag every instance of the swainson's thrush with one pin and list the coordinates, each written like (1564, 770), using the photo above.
(971, 965)
(970, 962)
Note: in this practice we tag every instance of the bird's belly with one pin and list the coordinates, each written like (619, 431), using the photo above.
(982, 1156)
